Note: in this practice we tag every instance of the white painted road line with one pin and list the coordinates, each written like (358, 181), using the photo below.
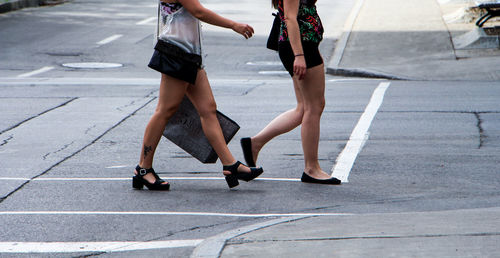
(109, 39)
(169, 213)
(359, 135)
(7, 81)
(264, 63)
(146, 21)
(130, 178)
(75, 247)
(273, 72)
(39, 71)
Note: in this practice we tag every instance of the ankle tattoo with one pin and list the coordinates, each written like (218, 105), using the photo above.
(147, 150)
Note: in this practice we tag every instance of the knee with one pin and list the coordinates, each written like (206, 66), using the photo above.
(316, 107)
(207, 110)
(299, 110)
(165, 111)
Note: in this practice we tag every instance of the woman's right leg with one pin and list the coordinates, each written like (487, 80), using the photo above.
(172, 91)
(283, 123)
(313, 92)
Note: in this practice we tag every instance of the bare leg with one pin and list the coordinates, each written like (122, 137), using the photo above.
(283, 123)
(171, 93)
(313, 92)
(203, 100)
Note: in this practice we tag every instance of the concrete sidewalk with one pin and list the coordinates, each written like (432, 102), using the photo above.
(410, 40)
(458, 233)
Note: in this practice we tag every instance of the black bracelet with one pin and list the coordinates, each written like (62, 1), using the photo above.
(299, 55)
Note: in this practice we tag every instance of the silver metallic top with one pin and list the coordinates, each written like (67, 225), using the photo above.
(177, 26)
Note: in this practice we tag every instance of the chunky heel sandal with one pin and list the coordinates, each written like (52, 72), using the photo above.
(232, 179)
(138, 181)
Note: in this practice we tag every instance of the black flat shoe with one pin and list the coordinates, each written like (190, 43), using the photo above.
(330, 181)
(138, 181)
(246, 146)
(232, 179)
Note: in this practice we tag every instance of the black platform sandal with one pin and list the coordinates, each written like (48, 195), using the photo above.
(138, 181)
(232, 179)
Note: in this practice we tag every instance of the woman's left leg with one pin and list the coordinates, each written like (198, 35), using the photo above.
(202, 97)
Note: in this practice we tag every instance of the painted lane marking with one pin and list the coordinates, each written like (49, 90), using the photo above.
(118, 166)
(353, 79)
(273, 72)
(109, 39)
(146, 21)
(35, 72)
(171, 213)
(75, 247)
(120, 81)
(359, 135)
(264, 63)
(129, 178)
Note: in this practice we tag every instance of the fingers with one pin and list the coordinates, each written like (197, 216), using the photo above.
(300, 72)
(299, 69)
(245, 30)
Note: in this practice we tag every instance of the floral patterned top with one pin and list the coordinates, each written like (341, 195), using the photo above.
(310, 25)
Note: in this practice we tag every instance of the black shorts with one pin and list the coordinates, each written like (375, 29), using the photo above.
(311, 54)
(174, 64)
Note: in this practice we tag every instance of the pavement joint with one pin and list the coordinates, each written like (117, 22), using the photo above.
(38, 115)
(76, 152)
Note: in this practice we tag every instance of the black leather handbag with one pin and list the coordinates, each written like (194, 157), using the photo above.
(184, 130)
(272, 40)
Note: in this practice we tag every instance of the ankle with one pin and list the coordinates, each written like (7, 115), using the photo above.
(313, 170)
(256, 144)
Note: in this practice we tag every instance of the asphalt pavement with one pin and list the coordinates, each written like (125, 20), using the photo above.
(419, 154)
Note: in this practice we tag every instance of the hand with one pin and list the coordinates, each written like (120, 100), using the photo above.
(299, 67)
(243, 29)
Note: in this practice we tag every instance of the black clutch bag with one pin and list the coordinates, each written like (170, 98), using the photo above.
(272, 40)
(184, 129)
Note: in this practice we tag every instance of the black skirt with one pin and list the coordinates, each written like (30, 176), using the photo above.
(175, 62)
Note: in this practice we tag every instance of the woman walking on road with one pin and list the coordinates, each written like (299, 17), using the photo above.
(178, 57)
(300, 34)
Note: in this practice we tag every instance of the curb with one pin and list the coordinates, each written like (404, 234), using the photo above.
(20, 4)
(212, 247)
(333, 67)
(356, 72)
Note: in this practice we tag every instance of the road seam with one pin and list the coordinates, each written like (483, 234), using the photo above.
(171, 213)
(78, 151)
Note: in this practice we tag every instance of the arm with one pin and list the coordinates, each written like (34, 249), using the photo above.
(291, 8)
(203, 14)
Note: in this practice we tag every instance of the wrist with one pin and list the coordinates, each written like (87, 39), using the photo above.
(297, 55)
